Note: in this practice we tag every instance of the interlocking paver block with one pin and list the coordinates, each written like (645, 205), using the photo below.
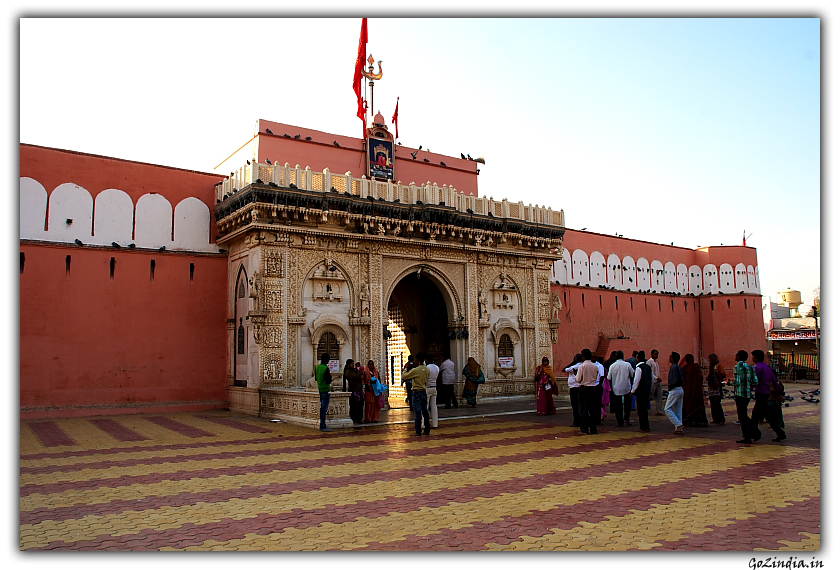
(223, 481)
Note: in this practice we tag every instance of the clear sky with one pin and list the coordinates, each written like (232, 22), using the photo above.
(666, 130)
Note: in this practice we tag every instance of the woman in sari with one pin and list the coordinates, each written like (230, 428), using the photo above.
(353, 380)
(371, 399)
(546, 386)
(694, 401)
(473, 376)
(715, 380)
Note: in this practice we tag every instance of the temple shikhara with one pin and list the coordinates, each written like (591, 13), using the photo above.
(146, 288)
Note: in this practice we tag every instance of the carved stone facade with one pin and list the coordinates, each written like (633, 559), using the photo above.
(320, 281)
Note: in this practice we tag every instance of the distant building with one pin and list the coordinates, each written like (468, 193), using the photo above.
(791, 338)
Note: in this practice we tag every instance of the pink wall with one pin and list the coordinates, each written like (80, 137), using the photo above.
(321, 153)
(90, 344)
(87, 340)
(692, 326)
(52, 167)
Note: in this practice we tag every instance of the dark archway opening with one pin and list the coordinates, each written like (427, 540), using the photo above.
(416, 309)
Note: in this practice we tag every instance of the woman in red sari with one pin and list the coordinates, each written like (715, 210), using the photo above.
(371, 399)
(546, 386)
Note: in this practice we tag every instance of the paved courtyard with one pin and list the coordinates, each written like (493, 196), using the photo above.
(512, 481)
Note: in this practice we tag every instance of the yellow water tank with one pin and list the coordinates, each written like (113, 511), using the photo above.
(791, 298)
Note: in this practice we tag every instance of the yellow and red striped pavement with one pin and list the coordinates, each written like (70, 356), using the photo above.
(225, 481)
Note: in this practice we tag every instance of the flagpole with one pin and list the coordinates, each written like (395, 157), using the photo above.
(370, 83)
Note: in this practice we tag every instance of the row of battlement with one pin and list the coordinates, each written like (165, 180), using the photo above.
(326, 181)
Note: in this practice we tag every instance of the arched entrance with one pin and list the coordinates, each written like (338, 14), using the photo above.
(418, 320)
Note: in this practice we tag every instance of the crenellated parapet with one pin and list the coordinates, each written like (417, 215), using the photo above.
(70, 214)
(278, 177)
(609, 270)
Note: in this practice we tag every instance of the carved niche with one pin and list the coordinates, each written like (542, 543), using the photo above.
(504, 293)
(328, 283)
(272, 372)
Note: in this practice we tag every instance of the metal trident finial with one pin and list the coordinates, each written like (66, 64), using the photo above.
(369, 73)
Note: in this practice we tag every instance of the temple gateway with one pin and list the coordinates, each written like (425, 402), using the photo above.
(376, 270)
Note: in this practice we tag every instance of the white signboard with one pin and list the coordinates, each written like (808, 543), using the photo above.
(335, 366)
(506, 361)
(792, 335)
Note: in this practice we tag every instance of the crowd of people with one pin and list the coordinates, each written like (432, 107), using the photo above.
(597, 388)
(369, 393)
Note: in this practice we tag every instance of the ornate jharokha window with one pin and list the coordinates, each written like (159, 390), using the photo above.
(328, 344)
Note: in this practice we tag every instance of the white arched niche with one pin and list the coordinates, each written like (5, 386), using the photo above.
(682, 278)
(192, 226)
(643, 274)
(33, 209)
(70, 214)
(695, 279)
(580, 267)
(597, 269)
(153, 221)
(561, 269)
(628, 267)
(657, 276)
(670, 273)
(613, 271)
(727, 278)
(741, 282)
(113, 219)
(710, 280)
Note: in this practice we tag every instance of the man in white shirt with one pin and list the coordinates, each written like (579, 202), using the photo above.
(447, 383)
(620, 376)
(656, 389)
(431, 390)
(590, 400)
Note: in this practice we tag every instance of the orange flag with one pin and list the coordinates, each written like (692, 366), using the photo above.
(394, 120)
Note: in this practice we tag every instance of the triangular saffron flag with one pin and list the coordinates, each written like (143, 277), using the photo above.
(357, 76)
(394, 120)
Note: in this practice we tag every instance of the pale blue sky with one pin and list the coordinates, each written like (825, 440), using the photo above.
(683, 130)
